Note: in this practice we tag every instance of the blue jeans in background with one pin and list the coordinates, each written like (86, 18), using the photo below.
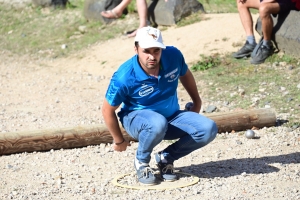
(150, 128)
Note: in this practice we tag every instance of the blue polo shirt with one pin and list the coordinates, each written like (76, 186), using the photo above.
(136, 90)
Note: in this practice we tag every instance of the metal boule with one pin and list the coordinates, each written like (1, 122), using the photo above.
(188, 106)
(250, 134)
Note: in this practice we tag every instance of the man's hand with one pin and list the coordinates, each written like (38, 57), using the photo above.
(190, 86)
(121, 147)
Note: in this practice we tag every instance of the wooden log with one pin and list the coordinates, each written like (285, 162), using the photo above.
(42, 140)
(242, 120)
(81, 136)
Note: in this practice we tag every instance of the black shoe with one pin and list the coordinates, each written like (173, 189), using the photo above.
(146, 175)
(166, 169)
(262, 54)
(245, 51)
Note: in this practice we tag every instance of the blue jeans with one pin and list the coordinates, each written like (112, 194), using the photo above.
(150, 128)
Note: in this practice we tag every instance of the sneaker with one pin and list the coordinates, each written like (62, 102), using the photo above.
(146, 175)
(262, 54)
(245, 51)
(166, 169)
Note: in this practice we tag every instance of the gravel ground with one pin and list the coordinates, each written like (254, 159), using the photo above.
(231, 167)
(42, 94)
(34, 96)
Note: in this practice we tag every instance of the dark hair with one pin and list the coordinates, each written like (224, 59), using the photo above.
(136, 44)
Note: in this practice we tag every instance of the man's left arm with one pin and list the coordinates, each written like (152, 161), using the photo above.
(190, 86)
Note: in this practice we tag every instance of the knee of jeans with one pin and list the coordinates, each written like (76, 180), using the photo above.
(214, 130)
(210, 132)
(158, 125)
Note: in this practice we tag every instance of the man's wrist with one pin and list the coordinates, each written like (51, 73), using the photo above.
(118, 143)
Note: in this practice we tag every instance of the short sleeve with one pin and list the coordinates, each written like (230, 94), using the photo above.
(184, 66)
(115, 93)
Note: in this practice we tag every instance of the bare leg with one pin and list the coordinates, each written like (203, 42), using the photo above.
(142, 10)
(247, 22)
(245, 15)
(117, 11)
(265, 11)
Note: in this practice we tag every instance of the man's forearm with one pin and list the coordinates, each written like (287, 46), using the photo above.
(189, 84)
(112, 125)
(111, 121)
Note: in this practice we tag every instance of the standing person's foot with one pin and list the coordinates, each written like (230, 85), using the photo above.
(110, 14)
(145, 174)
(262, 54)
(166, 169)
(132, 34)
(245, 51)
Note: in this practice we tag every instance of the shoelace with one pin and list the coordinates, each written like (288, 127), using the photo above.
(146, 171)
(168, 167)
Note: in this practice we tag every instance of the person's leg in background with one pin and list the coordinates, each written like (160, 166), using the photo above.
(116, 12)
(143, 13)
(142, 9)
(266, 8)
(247, 22)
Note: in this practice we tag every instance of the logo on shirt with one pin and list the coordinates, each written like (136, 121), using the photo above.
(172, 75)
(146, 90)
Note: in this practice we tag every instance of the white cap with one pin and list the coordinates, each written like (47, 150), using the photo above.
(148, 37)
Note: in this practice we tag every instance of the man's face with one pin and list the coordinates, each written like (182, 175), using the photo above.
(149, 58)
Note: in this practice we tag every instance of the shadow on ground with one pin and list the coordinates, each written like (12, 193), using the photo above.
(233, 167)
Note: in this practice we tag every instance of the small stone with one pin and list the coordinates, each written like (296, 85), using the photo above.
(82, 29)
(239, 142)
(64, 46)
(291, 67)
(210, 109)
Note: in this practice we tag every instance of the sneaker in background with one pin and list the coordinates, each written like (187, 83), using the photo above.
(262, 54)
(245, 51)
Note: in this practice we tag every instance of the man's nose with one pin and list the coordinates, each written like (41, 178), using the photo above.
(151, 56)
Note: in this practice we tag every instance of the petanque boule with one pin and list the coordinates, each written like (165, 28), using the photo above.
(250, 134)
(188, 106)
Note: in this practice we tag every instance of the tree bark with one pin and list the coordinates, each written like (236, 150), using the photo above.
(242, 120)
(81, 136)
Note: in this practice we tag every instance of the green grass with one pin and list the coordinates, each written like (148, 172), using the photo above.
(219, 6)
(42, 31)
(193, 18)
(273, 83)
(206, 62)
